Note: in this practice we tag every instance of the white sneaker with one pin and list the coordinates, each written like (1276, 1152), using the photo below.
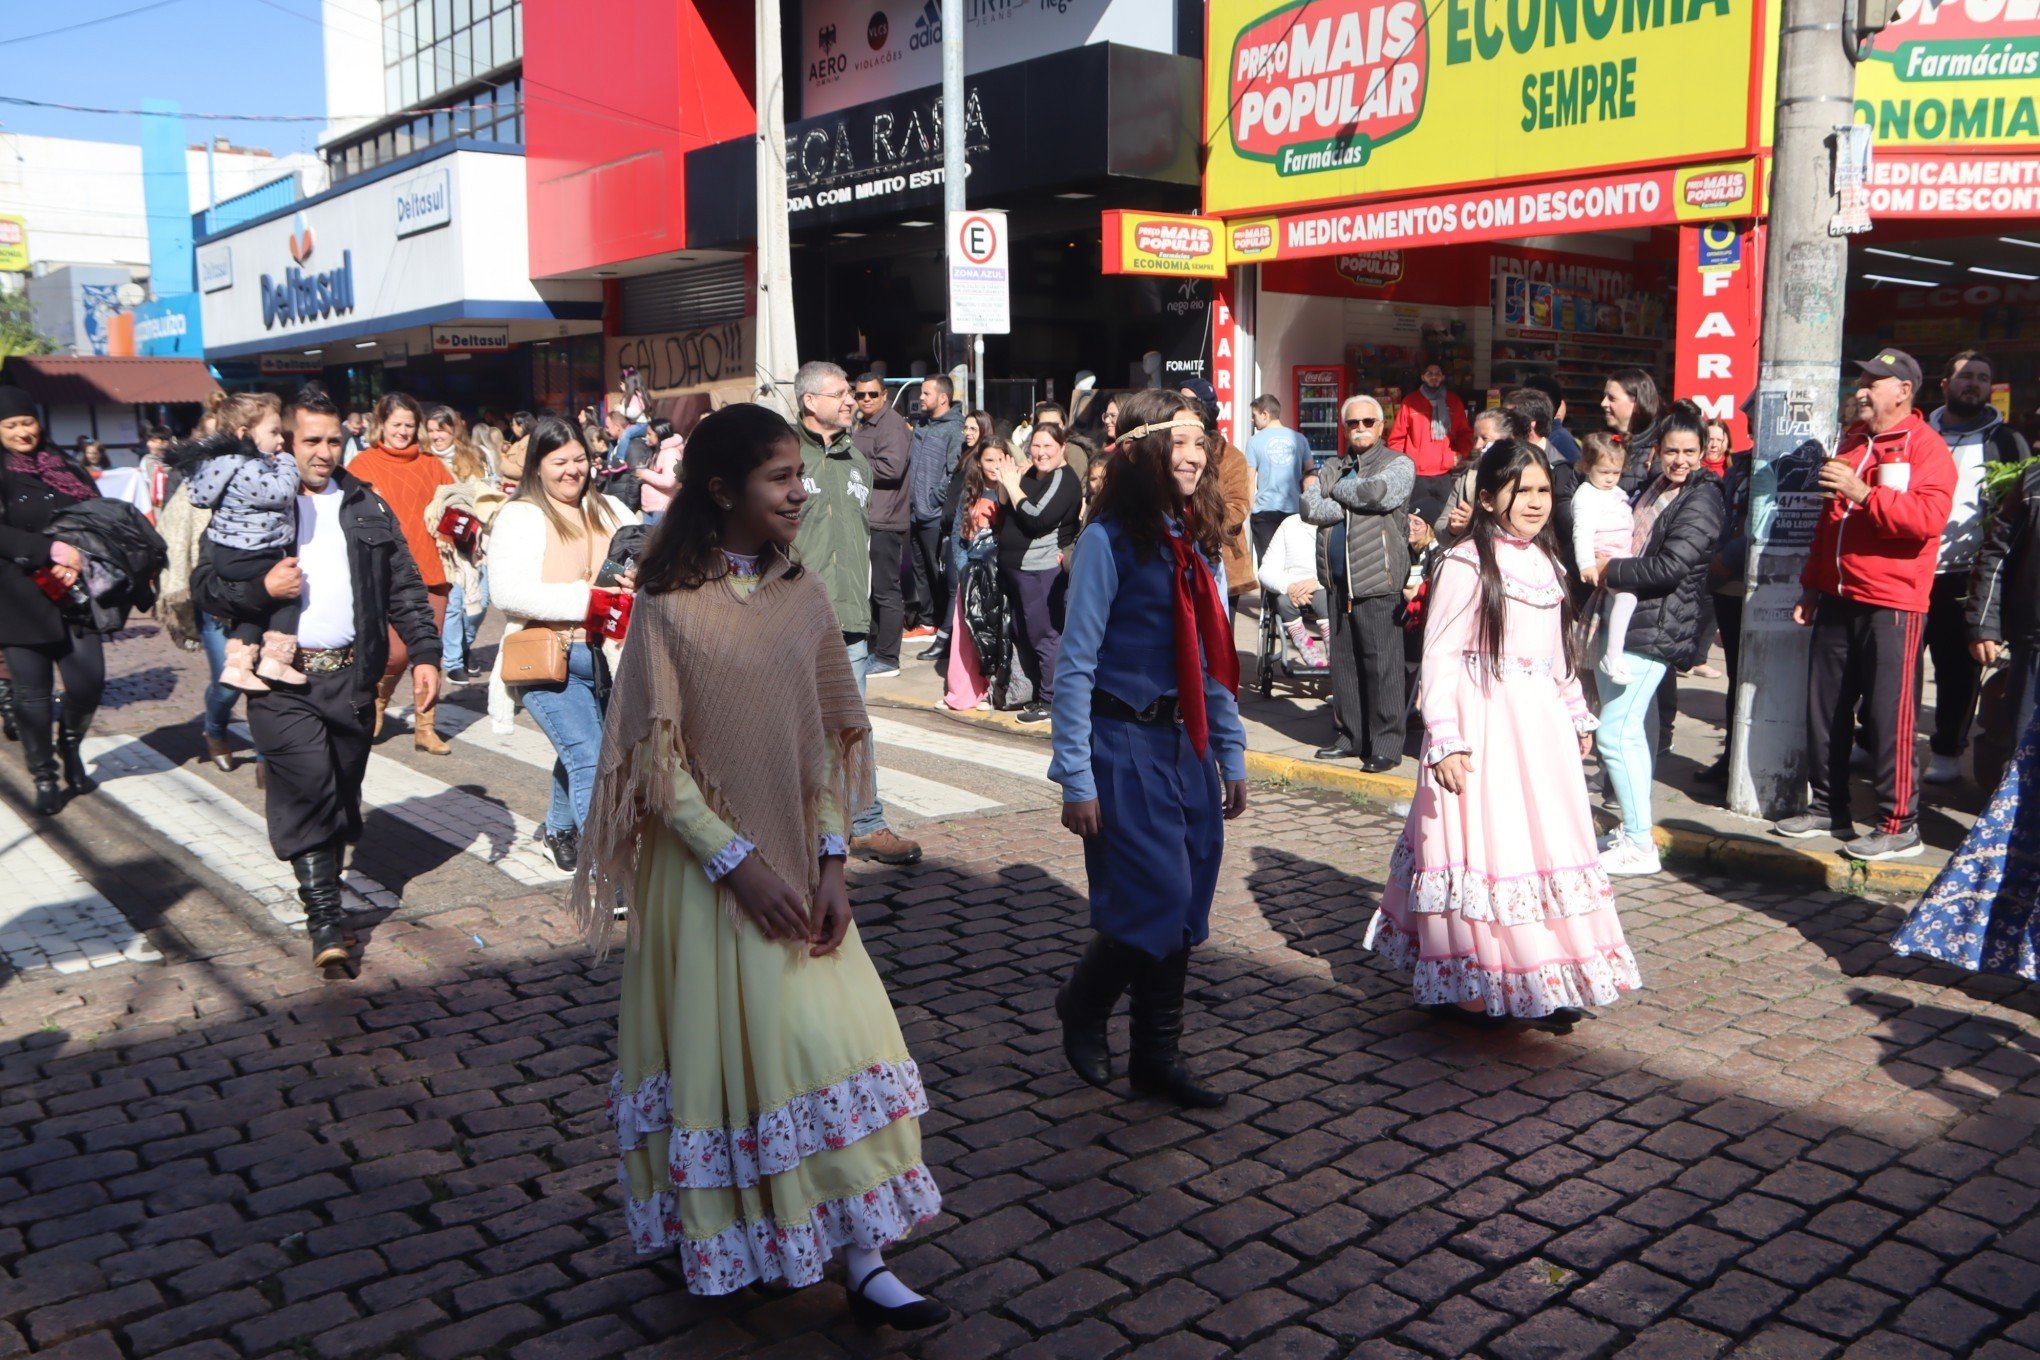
(1628, 859)
(1944, 769)
(1608, 840)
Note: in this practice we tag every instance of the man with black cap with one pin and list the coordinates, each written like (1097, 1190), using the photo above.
(1867, 586)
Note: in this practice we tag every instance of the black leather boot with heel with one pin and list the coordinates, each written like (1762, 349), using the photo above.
(7, 710)
(70, 742)
(318, 876)
(38, 749)
(1155, 1066)
(1085, 1002)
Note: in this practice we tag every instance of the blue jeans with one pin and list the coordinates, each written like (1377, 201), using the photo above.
(872, 819)
(219, 700)
(571, 719)
(457, 638)
(652, 517)
(1625, 742)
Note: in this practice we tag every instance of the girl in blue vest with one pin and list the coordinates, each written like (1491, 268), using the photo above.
(1146, 727)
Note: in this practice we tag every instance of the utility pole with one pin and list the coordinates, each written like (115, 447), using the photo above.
(778, 350)
(955, 135)
(1798, 398)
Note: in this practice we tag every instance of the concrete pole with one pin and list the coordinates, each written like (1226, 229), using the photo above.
(1798, 401)
(778, 352)
(955, 133)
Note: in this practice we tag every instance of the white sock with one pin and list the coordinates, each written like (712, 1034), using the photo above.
(885, 1289)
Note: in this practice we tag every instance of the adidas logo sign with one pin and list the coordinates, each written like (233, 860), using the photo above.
(927, 26)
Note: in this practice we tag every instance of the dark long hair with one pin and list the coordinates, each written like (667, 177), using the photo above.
(1501, 467)
(1642, 390)
(685, 552)
(988, 432)
(550, 434)
(1140, 493)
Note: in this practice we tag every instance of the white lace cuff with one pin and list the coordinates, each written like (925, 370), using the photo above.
(833, 847)
(1584, 723)
(727, 858)
(1448, 746)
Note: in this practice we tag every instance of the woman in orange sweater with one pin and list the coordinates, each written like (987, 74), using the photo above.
(407, 477)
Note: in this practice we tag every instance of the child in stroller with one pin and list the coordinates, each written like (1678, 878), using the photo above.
(1291, 642)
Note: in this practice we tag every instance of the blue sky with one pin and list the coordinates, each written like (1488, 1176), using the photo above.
(225, 56)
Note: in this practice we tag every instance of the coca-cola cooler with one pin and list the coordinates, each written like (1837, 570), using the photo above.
(1320, 390)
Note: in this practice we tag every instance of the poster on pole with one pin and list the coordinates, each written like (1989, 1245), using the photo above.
(980, 301)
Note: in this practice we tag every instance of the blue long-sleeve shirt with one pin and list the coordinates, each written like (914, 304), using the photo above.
(1094, 581)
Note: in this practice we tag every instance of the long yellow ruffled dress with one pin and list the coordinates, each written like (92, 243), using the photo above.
(766, 1107)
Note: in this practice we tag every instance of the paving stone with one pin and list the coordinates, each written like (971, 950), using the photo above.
(1555, 1334)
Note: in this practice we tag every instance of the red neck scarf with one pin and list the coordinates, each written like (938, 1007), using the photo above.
(1203, 636)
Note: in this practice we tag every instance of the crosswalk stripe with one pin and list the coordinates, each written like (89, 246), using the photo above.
(212, 826)
(992, 755)
(927, 797)
(53, 918)
(475, 826)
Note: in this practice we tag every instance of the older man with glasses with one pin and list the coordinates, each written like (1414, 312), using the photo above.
(882, 436)
(1359, 501)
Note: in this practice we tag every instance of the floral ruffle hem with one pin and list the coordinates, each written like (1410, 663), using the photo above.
(777, 1140)
(1514, 901)
(763, 1250)
(1597, 980)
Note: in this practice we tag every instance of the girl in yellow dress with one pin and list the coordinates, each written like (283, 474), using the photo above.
(766, 1107)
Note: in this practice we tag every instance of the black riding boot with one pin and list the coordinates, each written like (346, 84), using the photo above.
(318, 876)
(70, 736)
(7, 709)
(38, 748)
(1154, 1067)
(1085, 1006)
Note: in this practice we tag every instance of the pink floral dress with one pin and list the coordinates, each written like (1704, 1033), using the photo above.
(1496, 899)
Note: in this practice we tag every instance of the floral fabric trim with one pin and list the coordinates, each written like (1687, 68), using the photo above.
(1578, 983)
(823, 1120)
(727, 858)
(1584, 723)
(1511, 667)
(1515, 901)
(1446, 746)
(762, 1250)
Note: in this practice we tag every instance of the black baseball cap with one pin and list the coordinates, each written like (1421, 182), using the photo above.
(1893, 363)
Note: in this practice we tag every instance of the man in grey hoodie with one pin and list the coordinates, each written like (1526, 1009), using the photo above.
(938, 444)
(1977, 436)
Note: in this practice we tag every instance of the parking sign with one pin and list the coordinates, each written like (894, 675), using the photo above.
(979, 299)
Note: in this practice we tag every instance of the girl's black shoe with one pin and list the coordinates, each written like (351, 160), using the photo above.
(908, 1317)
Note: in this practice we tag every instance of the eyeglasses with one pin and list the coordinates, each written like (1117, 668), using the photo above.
(1363, 422)
(869, 396)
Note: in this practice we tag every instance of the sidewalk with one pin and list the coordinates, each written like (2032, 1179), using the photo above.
(1285, 730)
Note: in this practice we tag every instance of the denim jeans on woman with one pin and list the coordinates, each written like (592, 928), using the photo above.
(872, 819)
(463, 621)
(1625, 740)
(219, 700)
(571, 719)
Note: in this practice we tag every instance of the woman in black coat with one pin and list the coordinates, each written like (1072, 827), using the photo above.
(1683, 510)
(36, 482)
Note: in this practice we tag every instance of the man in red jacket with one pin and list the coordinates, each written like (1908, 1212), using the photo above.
(1867, 585)
(1432, 431)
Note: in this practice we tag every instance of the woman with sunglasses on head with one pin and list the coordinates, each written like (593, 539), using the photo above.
(1148, 743)
(1358, 501)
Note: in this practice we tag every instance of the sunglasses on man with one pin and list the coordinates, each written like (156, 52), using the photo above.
(1362, 422)
(873, 395)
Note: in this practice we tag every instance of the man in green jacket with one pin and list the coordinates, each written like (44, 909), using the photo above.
(835, 544)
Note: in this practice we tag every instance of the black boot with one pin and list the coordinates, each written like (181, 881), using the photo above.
(1154, 1067)
(318, 876)
(1085, 1006)
(7, 710)
(38, 748)
(70, 736)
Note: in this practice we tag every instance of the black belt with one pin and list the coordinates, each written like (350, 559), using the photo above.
(1162, 710)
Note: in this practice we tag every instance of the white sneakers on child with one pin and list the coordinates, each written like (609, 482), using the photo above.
(1626, 858)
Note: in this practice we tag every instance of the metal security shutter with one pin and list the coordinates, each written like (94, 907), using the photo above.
(685, 299)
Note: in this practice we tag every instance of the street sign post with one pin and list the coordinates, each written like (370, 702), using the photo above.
(979, 299)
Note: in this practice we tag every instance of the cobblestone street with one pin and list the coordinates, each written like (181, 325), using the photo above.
(1793, 1144)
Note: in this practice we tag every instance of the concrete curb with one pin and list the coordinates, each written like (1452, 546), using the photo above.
(1754, 858)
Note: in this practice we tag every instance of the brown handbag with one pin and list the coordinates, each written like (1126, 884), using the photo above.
(535, 654)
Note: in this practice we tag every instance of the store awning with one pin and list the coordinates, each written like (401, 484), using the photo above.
(65, 380)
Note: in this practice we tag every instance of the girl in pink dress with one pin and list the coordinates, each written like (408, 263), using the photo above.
(1496, 901)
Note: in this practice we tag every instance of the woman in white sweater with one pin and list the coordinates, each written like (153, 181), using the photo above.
(546, 548)
(1289, 574)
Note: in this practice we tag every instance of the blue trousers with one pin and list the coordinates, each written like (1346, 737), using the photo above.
(463, 620)
(1625, 743)
(872, 819)
(1154, 868)
(571, 719)
(219, 699)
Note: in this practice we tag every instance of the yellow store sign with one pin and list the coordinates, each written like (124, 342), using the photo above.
(1952, 71)
(13, 244)
(1341, 99)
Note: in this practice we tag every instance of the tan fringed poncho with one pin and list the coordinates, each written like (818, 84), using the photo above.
(750, 695)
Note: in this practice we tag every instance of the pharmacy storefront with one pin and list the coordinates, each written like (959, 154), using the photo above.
(1566, 187)
(416, 278)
